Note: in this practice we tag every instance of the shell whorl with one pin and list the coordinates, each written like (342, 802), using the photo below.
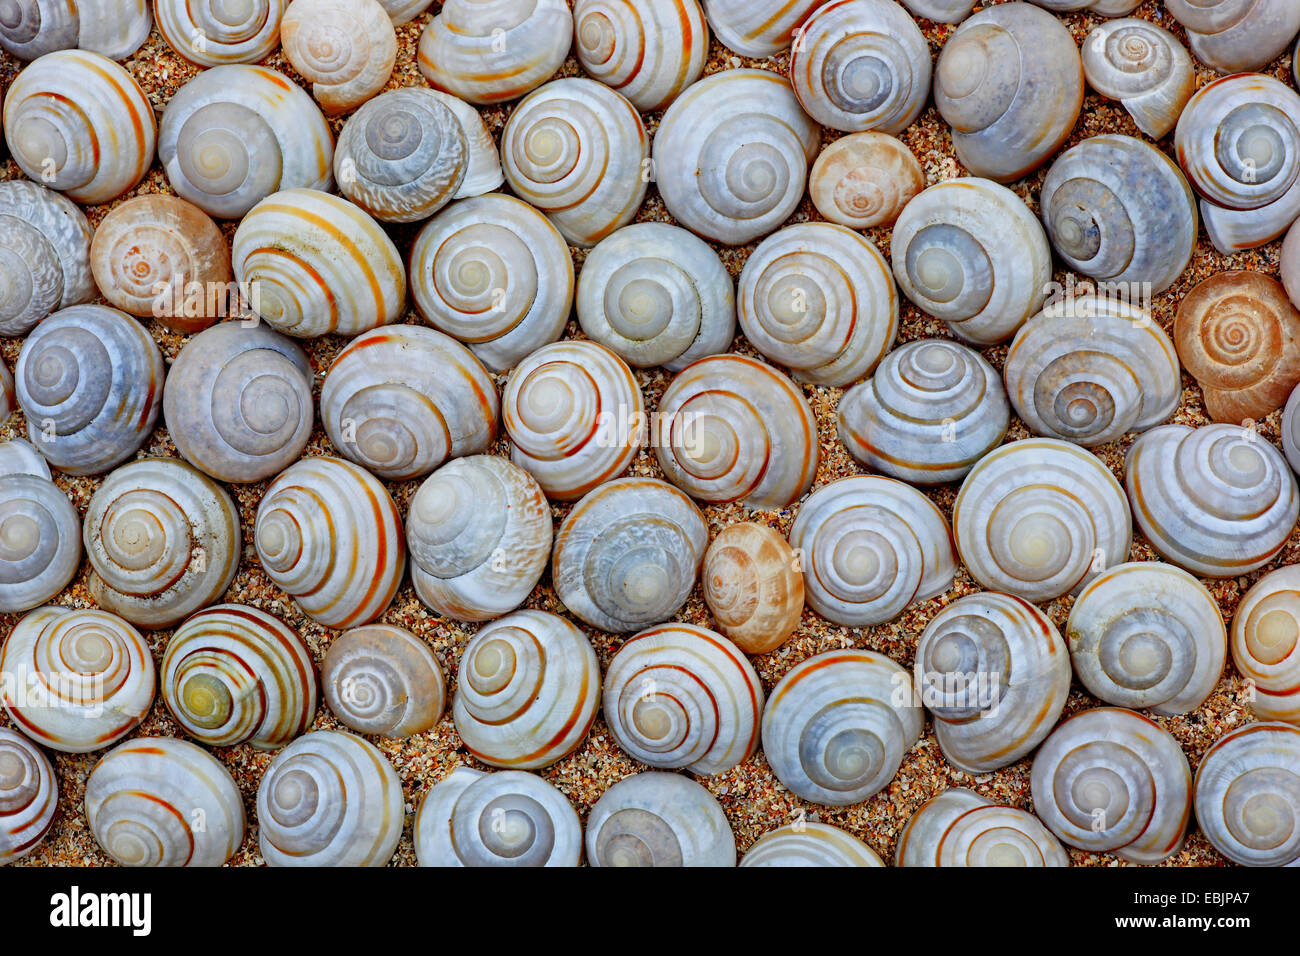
(753, 587)
(1246, 795)
(113, 28)
(1265, 644)
(216, 33)
(809, 844)
(961, 828)
(1234, 36)
(345, 48)
(1144, 67)
(864, 180)
(45, 243)
(40, 535)
(648, 50)
(659, 819)
(29, 795)
(757, 31)
(383, 680)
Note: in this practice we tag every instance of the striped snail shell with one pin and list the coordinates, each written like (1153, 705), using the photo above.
(494, 273)
(932, 409)
(216, 33)
(344, 48)
(44, 255)
(628, 553)
(757, 30)
(75, 680)
(329, 535)
(861, 65)
(112, 28)
(479, 532)
(648, 50)
(1248, 795)
(656, 295)
(29, 795)
(995, 674)
(89, 379)
(838, 724)
(403, 399)
(730, 428)
(819, 299)
(62, 107)
(40, 531)
(1119, 210)
(970, 252)
(753, 587)
(1217, 500)
(1110, 780)
(235, 134)
(575, 417)
(1265, 643)
(659, 819)
(150, 251)
(489, 51)
(1147, 635)
(234, 675)
(383, 680)
(864, 180)
(528, 693)
(157, 801)
(809, 844)
(404, 11)
(870, 547)
(19, 457)
(1235, 36)
(1091, 369)
(735, 174)
(1039, 518)
(483, 163)
(1144, 67)
(163, 541)
(961, 828)
(941, 11)
(329, 799)
(683, 696)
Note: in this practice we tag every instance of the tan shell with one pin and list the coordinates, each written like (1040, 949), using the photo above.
(753, 586)
(864, 180)
(213, 32)
(1143, 66)
(383, 680)
(1265, 644)
(345, 48)
(961, 828)
(29, 795)
(648, 50)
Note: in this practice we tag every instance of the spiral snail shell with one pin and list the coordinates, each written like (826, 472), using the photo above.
(753, 586)
(234, 674)
(75, 680)
(157, 801)
(941, 11)
(1234, 36)
(404, 11)
(1289, 264)
(216, 33)
(864, 180)
(1248, 795)
(1144, 67)
(19, 457)
(1264, 644)
(758, 30)
(29, 795)
(383, 680)
(961, 828)
(40, 539)
(809, 844)
(329, 799)
(483, 163)
(345, 48)
(659, 819)
(44, 255)
(648, 50)
(112, 28)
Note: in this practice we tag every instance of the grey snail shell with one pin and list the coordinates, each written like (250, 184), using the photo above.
(1144, 67)
(344, 48)
(1248, 795)
(113, 28)
(8, 400)
(383, 680)
(659, 819)
(44, 255)
(29, 795)
(1290, 428)
(1235, 36)
(809, 844)
(1289, 265)
(753, 586)
(40, 538)
(483, 167)
(941, 11)
(961, 828)
(864, 180)
(1264, 644)
(215, 33)
(648, 50)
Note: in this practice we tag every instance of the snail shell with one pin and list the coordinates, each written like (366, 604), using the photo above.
(1106, 8)
(235, 134)
(317, 264)
(8, 400)
(656, 295)
(861, 65)
(494, 273)
(1290, 261)
(234, 674)
(44, 255)
(1144, 67)
(40, 531)
(941, 11)
(329, 535)
(753, 587)
(1239, 337)
(329, 799)
(215, 33)
(838, 724)
(931, 411)
(113, 28)
(734, 174)
(809, 844)
(489, 51)
(528, 693)
(89, 379)
(680, 695)
(404, 11)
(19, 457)
(648, 50)
(864, 180)
(1235, 36)
(156, 801)
(163, 541)
(1091, 369)
(402, 400)
(819, 299)
(730, 428)
(29, 795)
(1248, 795)
(628, 553)
(238, 402)
(483, 163)
(758, 30)
(1119, 210)
(961, 828)
(1290, 428)
(1216, 501)
(869, 547)
(479, 532)
(58, 112)
(659, 819)
(383, 680)
(575, 417)
(150, 251)
(970, 252)
(1265, 647)
(1110, 780)
(75, 680)
(345, 48)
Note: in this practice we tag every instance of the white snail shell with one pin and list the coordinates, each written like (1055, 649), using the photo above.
(628, 554)
(961, 828)
(19, 457)
(1290, 428)
(753, 586)
(809, 844)
(941, 11)
(234, 674)
(659, 819)
(1289, 264)
(864, 180)
(157, 801)
(40, 535)
(404, 11)
(29, 795)
(1235, 36)
(383, 680)
(838, 724)
(1265, 644)
(329, 799)
(683, 696)
(528, 693)
(648, 50)
(819, 299)
(1143, 66)
(1039, 518)
(113, 28)
(757, 30)
(76, 680)
(214, 33)
(1246, 795)
(44, 255)
(483, 169)
(345, 48)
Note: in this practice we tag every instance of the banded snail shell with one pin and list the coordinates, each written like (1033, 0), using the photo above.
(113, 28)
(864, 180)
(753, 587)
(1248, 795)
(648, 50)
(1265, 645)
(40, 531)
(809, 844)
(483, 164)
(941, 11)
(345, 48)
(961, 828)
(757, 30)
(44, 255)
(1144, 67)
(404, 11)
(215, 33)
(383, 680)
(1234, 36)
(29, 795)
(659, 819)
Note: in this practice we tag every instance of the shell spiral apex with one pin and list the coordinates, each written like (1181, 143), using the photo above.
(961, 828)
(758, 29)
(649, 50)
(1248, 795)
(1144, 67)
(45, 243)
(40, 536)
(753, 586)
(29, 795)
(809, 844)
(113, 28)
(1237, 35)
(1265, 645)
(345, 48)
(216, 33)
(864, 180)
(659, 819)
(383, 680)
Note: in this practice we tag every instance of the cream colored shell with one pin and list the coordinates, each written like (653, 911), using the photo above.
(1290, 429)
(864, 180)
(40, 531)
(215, 32)
(941, 11)
(1246, 788)
(404, 11)
(114, 28)
(648, 50)
(1144, 67)
(45, 243)
(29, 795)
(383, 680)
(753, 585)
(961, 828)
(1265, 643)
(1235, 36)
(809, 844)
(659, 819)
(758, 30)
(345, 48)
(1289, 264)
(483, 171)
